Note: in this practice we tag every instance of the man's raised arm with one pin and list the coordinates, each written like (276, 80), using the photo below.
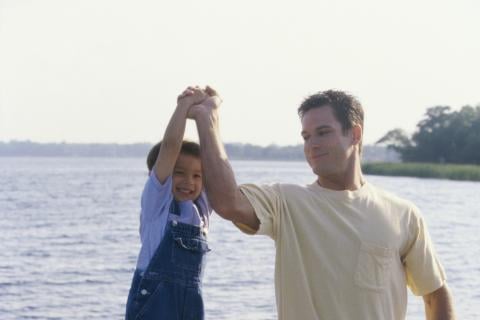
(223, 193)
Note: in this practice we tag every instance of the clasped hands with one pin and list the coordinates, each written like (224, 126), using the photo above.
(199, 101)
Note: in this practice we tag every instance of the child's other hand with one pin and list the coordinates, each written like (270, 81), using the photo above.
(191, 96)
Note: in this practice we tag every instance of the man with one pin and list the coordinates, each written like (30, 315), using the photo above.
(344, 248)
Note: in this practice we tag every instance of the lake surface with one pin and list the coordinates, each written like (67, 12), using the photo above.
(69, 239)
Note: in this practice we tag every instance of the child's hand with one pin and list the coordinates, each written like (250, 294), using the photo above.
(191, 96)
(212, 102)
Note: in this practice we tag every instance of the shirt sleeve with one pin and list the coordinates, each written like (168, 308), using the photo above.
(423, 270)
(155, 197)
(204, 207)
(265, 201)
(203, 201)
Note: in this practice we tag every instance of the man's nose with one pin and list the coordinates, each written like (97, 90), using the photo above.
(314, 142)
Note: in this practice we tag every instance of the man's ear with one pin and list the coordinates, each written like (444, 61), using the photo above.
(357, 134)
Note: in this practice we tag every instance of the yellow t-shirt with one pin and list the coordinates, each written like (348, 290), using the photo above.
(344, 254)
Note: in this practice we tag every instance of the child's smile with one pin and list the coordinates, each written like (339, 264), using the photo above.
(187, 178)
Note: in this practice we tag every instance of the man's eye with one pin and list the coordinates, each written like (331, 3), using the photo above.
(305, 138)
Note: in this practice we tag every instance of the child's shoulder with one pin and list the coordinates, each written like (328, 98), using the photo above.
(155, 194)
(154, 182)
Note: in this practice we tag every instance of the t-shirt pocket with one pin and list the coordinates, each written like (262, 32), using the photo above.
(373, 266)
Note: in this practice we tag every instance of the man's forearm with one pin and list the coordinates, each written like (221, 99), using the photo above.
(220, 181)
(439, 305)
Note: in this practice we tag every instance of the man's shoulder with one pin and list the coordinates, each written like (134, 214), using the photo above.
(391, 198)
(280, 188)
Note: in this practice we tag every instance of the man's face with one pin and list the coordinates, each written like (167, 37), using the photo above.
(187, 178)
(326, 147)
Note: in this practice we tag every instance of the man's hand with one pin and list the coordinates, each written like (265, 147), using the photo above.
(191, 96)
(211, 103)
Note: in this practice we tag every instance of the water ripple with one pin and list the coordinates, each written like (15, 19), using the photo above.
(69, 237)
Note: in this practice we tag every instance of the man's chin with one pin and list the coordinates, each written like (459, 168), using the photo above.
(323, 171)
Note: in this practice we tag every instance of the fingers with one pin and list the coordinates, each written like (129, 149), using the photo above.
(196, 94)
(185, 93)
(213, 93)
(188, 92)
(193, 89)
(192, 95)
(210, 91)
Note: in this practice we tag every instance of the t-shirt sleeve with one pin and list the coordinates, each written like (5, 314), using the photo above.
(155, 197)
(265, 201)
(205, 204)
(424, 271)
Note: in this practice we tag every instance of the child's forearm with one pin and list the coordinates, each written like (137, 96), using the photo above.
(171, 143)
(173, 135)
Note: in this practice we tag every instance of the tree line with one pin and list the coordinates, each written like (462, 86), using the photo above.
(442, 136)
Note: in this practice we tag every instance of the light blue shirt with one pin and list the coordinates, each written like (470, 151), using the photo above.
(156, 205)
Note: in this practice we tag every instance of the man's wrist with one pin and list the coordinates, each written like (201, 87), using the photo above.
(206, 115)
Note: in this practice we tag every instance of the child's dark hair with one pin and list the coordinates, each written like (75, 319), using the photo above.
(188, 147)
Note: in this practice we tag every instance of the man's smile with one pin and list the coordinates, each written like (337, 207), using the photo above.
(317, 156)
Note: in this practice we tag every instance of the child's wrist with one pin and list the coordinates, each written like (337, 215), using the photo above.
(183, 105)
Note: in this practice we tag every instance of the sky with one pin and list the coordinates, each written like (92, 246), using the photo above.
(96, 71)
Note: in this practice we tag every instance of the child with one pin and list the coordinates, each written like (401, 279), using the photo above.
(173, 227)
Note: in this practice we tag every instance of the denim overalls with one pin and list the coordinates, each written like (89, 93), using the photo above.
(170, 288)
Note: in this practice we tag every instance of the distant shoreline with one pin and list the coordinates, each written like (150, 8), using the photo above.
(235, 151)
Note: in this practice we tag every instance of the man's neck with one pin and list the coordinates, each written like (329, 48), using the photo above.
(351, 179)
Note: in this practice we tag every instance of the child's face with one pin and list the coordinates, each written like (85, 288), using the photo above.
(187, 178)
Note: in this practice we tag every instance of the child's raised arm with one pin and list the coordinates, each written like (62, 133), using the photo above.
(173, 137)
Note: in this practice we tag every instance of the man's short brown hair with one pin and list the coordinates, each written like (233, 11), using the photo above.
(346, 108)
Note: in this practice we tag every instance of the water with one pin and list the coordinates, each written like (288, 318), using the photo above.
(69, 239)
